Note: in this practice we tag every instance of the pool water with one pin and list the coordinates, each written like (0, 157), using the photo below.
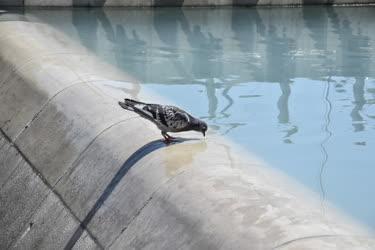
(296, 86)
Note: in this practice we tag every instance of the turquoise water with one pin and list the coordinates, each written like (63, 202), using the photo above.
(294, 85)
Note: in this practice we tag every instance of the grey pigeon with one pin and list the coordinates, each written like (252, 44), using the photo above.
(167, 118)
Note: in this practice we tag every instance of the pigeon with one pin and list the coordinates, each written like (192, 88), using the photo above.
(167, 118)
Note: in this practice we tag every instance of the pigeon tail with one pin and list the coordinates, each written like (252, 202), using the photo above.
(140, 108)
(124, 105)
(132, 102)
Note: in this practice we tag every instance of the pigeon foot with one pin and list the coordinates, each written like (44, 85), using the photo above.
(168, 138)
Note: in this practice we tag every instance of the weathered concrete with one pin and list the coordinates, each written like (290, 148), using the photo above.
(148, 3)
(32, 217)
(77, 171)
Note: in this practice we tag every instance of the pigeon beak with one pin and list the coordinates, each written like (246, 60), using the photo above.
(204, 133)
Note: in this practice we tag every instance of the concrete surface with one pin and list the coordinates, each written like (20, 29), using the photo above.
(77, 171)
(144, 3)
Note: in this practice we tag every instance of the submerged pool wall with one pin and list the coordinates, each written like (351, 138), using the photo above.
(138, 3)
(77, 171)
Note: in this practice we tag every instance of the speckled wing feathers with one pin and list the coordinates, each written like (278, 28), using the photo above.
(168, 118)
(176, 118)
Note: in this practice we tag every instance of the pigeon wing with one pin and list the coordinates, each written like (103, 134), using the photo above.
(167, 118)
(175, 118)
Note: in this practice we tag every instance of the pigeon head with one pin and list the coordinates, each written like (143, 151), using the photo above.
(200, 126)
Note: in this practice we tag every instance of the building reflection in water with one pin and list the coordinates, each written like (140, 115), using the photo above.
(294, 85)
(265, 51)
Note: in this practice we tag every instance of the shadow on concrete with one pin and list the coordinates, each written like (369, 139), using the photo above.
(128, 164)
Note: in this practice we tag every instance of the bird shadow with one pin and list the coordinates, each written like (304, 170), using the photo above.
(126, 166)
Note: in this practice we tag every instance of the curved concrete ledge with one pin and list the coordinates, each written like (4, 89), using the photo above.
(77, 171)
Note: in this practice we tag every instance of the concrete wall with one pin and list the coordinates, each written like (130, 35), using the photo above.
(77, 171)
(173, 2)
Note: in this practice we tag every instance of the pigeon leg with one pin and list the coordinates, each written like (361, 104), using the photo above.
(166, 136)
(171, 138)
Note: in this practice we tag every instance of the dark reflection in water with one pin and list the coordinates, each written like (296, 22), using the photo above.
(12, 14)
(294, 85)
(88, 20)
(354, 45)
(87, 3)
(359, 102)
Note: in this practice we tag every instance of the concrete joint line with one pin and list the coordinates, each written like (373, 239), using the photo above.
(23, 233)
(44, 180)
(116, 179)
(31, 59)
(45, 104)
(52, 187)
(165, 183)
(13, 142)
(305, 238)
(76, 161)
(131, 221)
(20, 160)
(123, 170)
(73, 84)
